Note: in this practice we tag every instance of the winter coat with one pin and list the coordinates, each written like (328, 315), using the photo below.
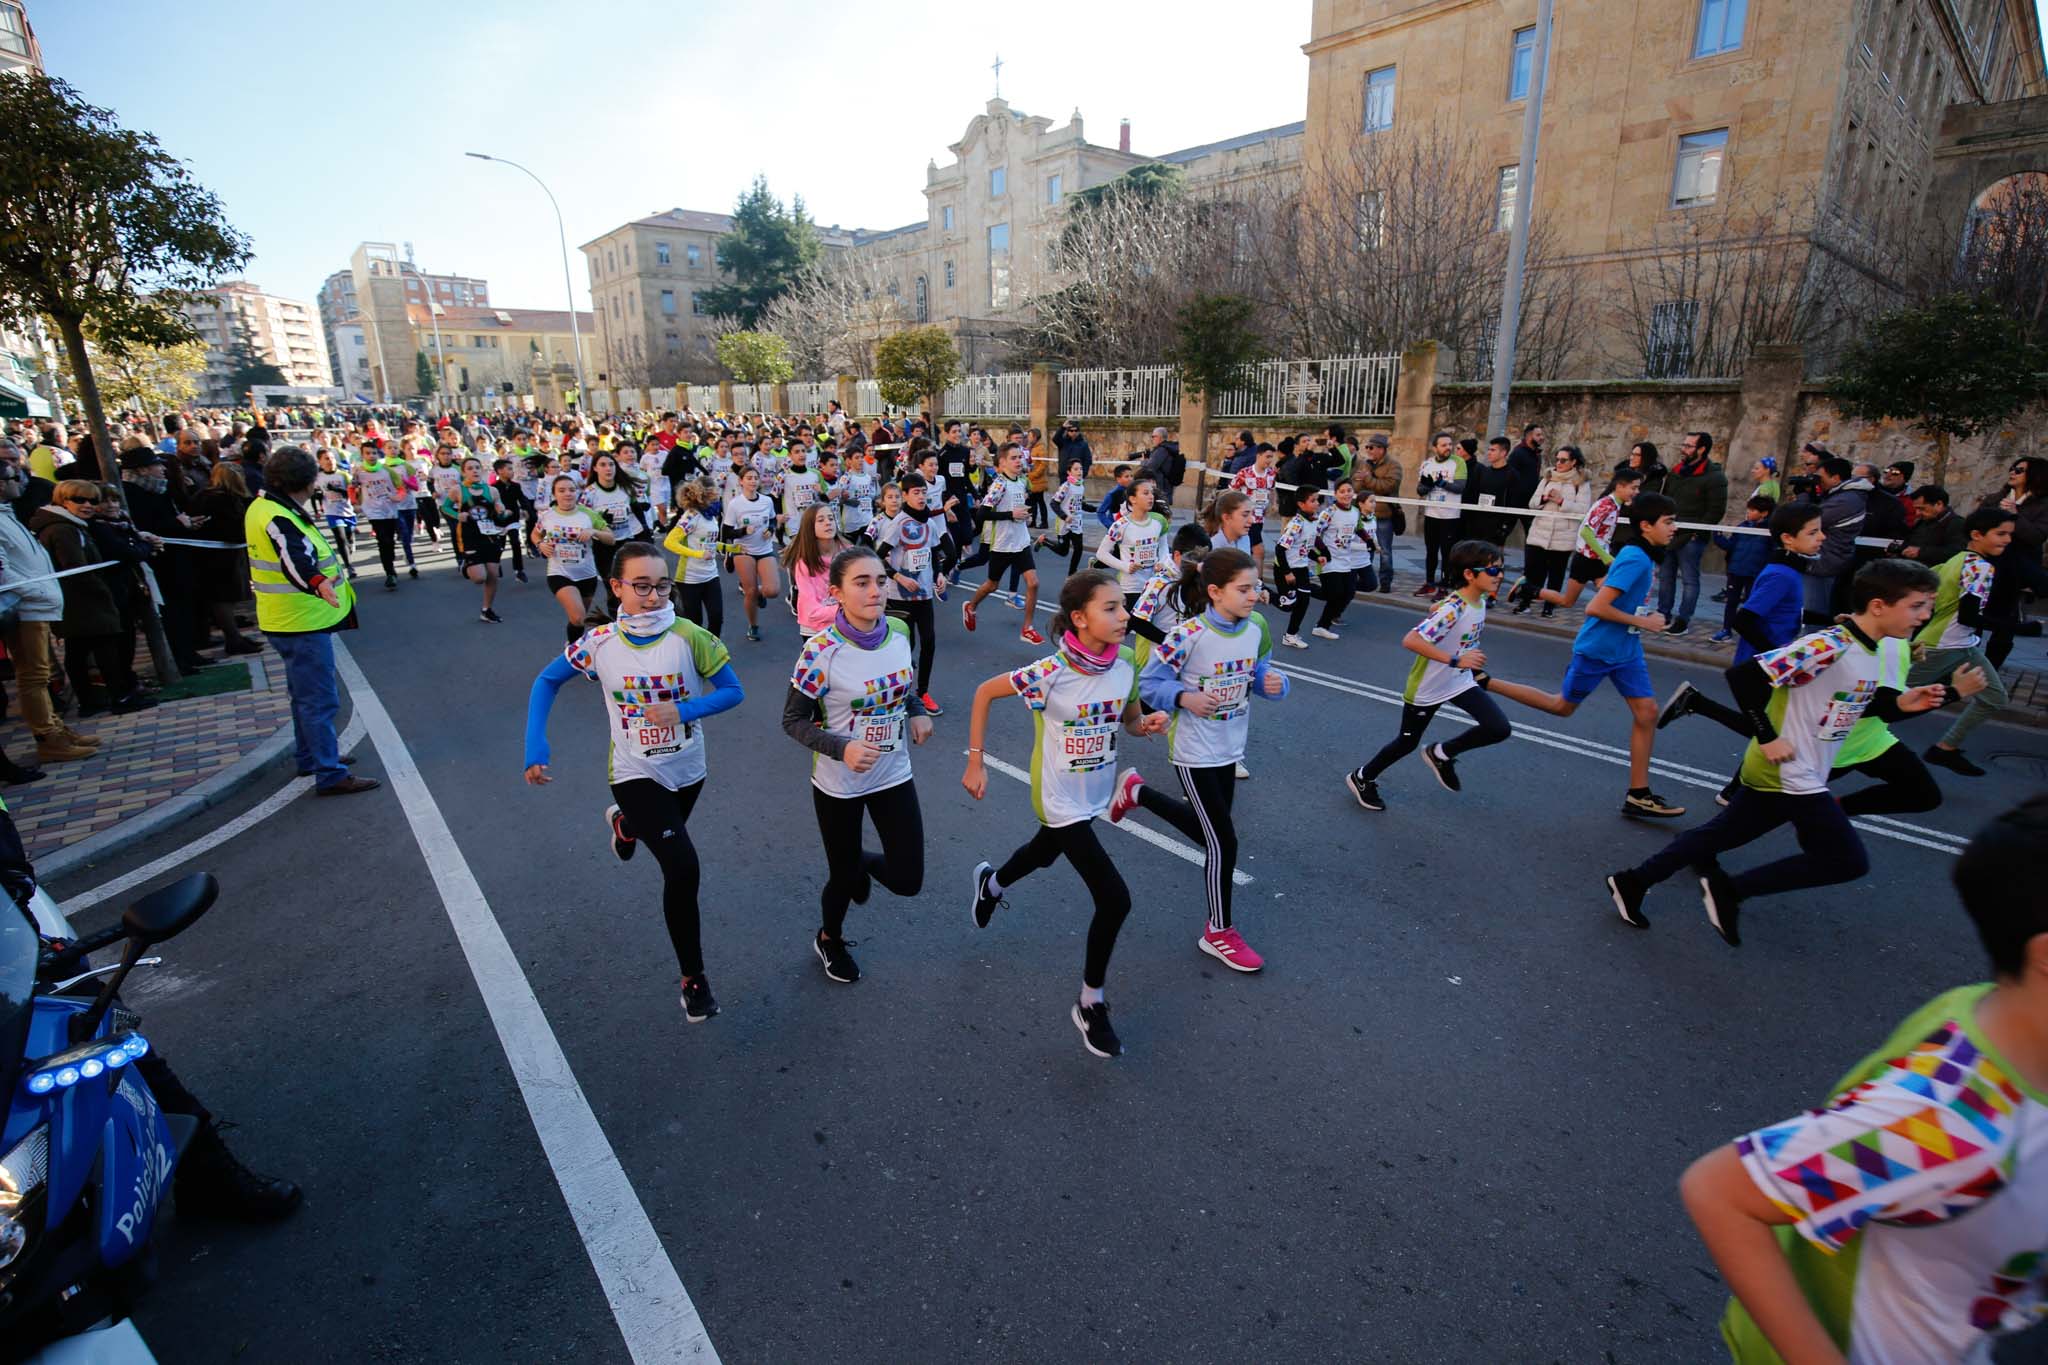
(1382, 479)
(1483, 480)
(1166, 466)
(1841, 516)
(2030, 532)
(23, 556)
(1938, 539)
(91, 606)
(1560, 532)
(1700, 497)
(1747, 554)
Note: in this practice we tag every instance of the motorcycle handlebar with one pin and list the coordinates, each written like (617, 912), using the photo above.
(67, 959)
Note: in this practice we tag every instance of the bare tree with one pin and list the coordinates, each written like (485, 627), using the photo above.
(2004, 253)
(836, 311)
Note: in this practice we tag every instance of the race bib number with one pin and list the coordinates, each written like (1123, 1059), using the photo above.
(957, 470)
(1844, 709)
(569, 553)
(1086, 746)
(883, 729)
(1232, 692)
(914, 561)
(1143, 556)
(1260, 498)
(653, 741)
(1486, 499)
(806, 495)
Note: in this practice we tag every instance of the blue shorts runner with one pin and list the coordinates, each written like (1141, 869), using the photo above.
(1582, 679)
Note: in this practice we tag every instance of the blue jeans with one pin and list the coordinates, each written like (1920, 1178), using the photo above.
(408, 518)
(1683, 559)
(1383, 560)
(309, 677)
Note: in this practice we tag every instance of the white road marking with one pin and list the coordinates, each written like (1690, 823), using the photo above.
(648, 1302)
(350, 736)
(1187, 853)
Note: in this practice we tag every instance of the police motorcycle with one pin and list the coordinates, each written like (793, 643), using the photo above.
(86, 1152)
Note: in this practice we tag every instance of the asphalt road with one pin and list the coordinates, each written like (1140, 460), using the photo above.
(1446, 1123)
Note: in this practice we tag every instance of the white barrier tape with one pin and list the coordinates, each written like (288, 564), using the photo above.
(10, 584)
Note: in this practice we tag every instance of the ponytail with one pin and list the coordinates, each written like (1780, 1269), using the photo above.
(1221, 506)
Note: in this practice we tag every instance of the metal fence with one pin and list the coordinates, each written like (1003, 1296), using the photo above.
(750, 397)
(1342, 386)
(812, 395)
(1150, 391)
(704, 397)
(990, 395)
(867, 398)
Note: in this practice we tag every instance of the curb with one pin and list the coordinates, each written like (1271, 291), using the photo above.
(214, 790)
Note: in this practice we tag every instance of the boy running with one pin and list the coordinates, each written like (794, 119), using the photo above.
(1953, 638)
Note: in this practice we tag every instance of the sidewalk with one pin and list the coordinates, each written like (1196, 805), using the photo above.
(149, 757)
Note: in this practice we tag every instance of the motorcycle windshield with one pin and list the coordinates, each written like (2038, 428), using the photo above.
(18, 945)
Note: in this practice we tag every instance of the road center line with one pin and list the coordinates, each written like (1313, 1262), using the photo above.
(1186, 853)
(648, 1302)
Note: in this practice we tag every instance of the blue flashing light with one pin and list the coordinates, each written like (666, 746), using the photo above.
(42, 1083)
(116, 1057)
(91, 1067)
(135, 1044)
(67, 1076)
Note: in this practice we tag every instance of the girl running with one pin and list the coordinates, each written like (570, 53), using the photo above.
(1229, 520)
(611, 498)
(912, 540)
(567, 534)
(1347, 530)
(333, 487)
(382, 485)
(1205, 672)
(1447, 668)
(1298, 549)
(851, 701)
(1133, 543)
(699, 595)
(808, 560)
(474, 513)
(750, 522)
(1595, 549)
(660, 678)
(512, 496)
(1068, 502)
(1078, 696)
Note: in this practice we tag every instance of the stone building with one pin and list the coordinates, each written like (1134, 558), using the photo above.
(487, 356)
(283, 331)
(339, 304)
(28, 353)
(1661, 113)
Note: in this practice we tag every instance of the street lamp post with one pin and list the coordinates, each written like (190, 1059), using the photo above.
(568, 284)
(1518, 241)
(440, 352)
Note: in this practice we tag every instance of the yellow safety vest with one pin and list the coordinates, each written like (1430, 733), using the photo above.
(281, 604)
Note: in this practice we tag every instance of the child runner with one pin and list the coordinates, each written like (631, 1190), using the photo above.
(1133, 542)
(1596, 533)
(1954, 637)
(611, 497)
(749, 520)
(566, 534)
(1006, 503)
(1067, 501)
(1446, 646)
(856, 492)
(1926, 1167)
(1298, 550)
(333, 487)
(909, 548)
(1747, 553)
(473, 513)
(851, 701)
(1347, 530)
(518, 507)
(1609, 648)
(1078, 696)
(1256, 481)
(660, 678)
(1802, 700)
(382, 484)
(1205, 672)
(807, 559)
(699, 594)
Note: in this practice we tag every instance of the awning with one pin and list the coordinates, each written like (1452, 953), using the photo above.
(18, 401)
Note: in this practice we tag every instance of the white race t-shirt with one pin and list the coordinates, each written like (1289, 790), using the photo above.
(1220, 663)
(1136, 541)
(673, 667)
(861, 694)
(1075, 718)
(1453, 625)
(568, 556)
(1821, 685)
(1003, 497)
(755, 519)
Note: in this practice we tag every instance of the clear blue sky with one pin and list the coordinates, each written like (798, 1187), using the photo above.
(321, 128)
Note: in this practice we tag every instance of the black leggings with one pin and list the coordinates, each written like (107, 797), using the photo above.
(1335, 593)
(1098, 873)
(658, 817)
(1071, 543)
(114, 655)
(702, 603)
(1205, 818)
(1829, 851)
(1904, 786)
(1492, 728)
(900, 864)
(601, 554)
(918, 616)
(386, 531)
(1546, 567)
(1439, 534)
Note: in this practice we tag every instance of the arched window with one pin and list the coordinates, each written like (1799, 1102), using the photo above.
(924, 299)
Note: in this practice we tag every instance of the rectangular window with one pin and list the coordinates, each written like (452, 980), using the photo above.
(998, 181)
(13, 31)
(696, 303)
(668, 303)
(949, 274)
(1670, 339)
(999, 266)
(693, 255)
(1379, 99)
(924, 300)
(1504, 199)
(946, 218)
(629, 255)
(1052, 189)
(611, 260)
(1372, 219)
(1521, 53)
(661, 253)
(1698, 175)
(1720, 30)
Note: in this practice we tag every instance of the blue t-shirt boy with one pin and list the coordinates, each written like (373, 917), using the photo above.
(1607, 649)
(1778, 599)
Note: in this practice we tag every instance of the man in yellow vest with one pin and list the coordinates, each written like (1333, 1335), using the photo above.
(301, 596)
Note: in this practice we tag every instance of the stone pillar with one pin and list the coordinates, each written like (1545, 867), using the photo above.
(1414, 409)
(725, 395)
(1767, 410)
(1194, 441)
(1045, 400)
(846, 389)
(679, 397)
(778, 399)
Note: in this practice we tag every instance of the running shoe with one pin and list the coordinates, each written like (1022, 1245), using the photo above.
(753, 633)
(984, 907)
(519, 574)
(839, 964)
(412, 572)
(967, 615)
(1951, 759)
(1228, 947)
(1680, 704)
(697, 1002)
(1678, 627)
(931, 705)
(1294, 642)
(1325, 633)
(1426, 590)
(1030, 636)
(1628, 892)
(1651, 805)
(1096, 1034)
(1724, 907)
(1722, 636)
(390, 582)
(1243, 772)
(623, 843)
(1366, 793)
(488, 615)
(1127, 788)
(1015, 599)
(1443, 765)
(1519, 592)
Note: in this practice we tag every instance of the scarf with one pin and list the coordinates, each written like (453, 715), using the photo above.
(648, 625)
(1083, 659)
(866, 639)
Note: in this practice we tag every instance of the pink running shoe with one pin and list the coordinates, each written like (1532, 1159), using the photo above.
(1229, 948)
(1030, 636)
(1127, 788)
(967, 615)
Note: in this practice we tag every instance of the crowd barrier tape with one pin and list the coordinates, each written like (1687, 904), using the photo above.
(8, 585)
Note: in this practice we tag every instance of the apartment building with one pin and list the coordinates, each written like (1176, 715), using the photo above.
(285, 332)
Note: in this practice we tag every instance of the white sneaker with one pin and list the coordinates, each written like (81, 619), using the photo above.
(1294, 642)
(1321, 634)
(1243, 771)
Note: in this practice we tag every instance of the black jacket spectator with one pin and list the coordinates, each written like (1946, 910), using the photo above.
(1482, 480)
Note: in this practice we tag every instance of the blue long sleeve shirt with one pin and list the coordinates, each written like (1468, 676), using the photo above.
(1160, 685)
(725, 695)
